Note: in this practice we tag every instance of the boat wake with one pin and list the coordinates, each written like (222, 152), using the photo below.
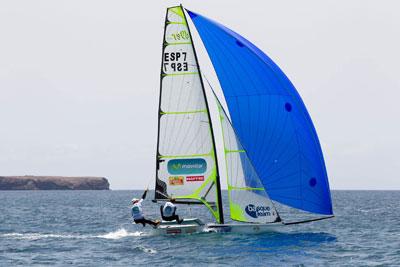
(37, 236)
(118, 234)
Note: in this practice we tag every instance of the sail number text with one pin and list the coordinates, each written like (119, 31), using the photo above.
(171, 61)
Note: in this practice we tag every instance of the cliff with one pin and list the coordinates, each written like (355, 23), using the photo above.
(53, 183)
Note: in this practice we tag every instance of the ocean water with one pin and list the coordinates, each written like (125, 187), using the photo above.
(93, 228)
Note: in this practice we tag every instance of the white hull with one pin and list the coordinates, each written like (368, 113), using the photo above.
(190, 226)
(245, 228)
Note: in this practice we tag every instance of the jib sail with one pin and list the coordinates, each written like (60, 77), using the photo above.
(248, 200)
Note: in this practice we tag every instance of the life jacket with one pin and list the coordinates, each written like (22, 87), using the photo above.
(137, 212)
(169, 209)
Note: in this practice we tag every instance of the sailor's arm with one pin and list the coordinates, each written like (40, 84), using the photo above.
(144, 195)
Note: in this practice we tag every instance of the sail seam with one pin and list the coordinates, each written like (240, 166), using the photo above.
(234, 151)
(177, 74)
(184, 156)
(246, 188)
(173, 22)
(186, 43)
(183, 112)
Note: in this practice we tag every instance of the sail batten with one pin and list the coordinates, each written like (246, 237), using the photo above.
(269, 118)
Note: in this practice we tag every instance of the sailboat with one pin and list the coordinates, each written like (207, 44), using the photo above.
(271, 149)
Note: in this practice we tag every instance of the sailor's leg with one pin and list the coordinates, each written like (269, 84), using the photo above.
(176, 217)
(140, 221)
(150, 222)
(161, 212)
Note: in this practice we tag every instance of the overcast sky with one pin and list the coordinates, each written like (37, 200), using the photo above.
(79, 83)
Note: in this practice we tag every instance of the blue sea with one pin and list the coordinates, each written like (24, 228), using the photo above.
(93, 228)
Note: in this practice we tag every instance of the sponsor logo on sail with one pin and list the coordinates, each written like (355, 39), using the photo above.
(257, 211)
(187, 166)
(194, 178)
(175, 180)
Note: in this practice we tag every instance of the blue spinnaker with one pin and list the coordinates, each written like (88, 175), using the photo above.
(269, 118)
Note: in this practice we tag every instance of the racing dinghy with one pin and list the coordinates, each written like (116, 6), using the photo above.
(271, 152)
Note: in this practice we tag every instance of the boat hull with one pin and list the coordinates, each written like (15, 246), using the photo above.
(188, 226)
(245, 228)
(194, 225)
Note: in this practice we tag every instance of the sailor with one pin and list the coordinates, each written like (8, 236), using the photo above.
(137, 212)
(168, 212)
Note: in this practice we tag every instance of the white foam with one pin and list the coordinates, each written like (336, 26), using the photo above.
(148, 250)
(36, 236)
(120, 233)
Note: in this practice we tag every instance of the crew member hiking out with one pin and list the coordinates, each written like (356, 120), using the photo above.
(137, 212)
(168, 212)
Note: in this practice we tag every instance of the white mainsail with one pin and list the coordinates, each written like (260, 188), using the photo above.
(186, 160)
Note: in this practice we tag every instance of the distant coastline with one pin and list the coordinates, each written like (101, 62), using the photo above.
(29, 182)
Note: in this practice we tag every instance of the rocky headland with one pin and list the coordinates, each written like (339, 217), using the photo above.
(28, 182)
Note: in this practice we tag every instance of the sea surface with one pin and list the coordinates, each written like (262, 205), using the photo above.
(93, 228)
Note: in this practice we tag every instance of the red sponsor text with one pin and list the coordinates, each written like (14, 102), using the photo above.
(194, 178)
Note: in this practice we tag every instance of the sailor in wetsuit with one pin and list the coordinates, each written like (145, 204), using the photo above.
(137, 212)
(168, 212)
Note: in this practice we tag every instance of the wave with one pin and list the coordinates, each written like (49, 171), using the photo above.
(363, 210)
(118, 234)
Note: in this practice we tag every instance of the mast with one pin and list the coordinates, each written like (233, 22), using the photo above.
(218, 183)
(159, 113)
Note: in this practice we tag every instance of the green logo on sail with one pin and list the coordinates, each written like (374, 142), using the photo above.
(187, 166)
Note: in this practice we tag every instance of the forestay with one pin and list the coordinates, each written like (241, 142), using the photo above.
(186, 164)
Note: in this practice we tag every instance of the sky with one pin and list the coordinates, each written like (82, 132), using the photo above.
(79, 83)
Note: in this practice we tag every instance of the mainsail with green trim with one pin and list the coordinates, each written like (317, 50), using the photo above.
(187, 169)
